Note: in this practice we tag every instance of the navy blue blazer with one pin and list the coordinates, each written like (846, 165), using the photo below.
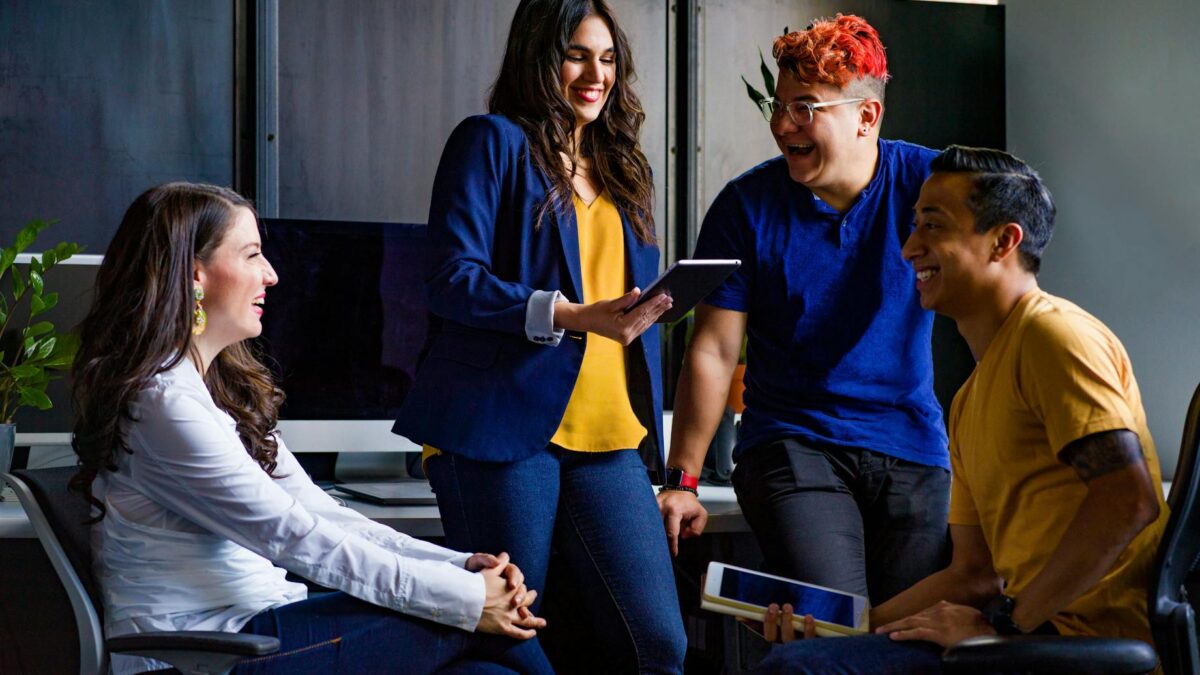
(485, 391)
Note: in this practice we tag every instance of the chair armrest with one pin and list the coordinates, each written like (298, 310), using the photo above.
(1037, 654)
(237, 644)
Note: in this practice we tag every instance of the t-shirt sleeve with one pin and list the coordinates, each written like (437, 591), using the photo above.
(1072, 377)
(962, 502)
(725, 234)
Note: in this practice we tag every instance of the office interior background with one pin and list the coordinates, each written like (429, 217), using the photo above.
(338, 111)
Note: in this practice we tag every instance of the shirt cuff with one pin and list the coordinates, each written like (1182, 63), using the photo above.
(445, 594)
(539, 318)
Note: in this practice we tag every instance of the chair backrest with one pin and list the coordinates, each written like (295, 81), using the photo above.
(1172, 617)
(58, 517)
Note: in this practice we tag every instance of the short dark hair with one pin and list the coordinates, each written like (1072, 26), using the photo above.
(1004, 189)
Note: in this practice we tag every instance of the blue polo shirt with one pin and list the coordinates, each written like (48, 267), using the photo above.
(839, 347)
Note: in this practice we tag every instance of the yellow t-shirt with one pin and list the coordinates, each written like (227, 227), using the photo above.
(1052, 375)
(599, 415)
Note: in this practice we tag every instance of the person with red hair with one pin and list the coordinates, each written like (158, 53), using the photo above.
(842, 464)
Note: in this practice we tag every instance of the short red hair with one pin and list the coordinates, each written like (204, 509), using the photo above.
(833, 52)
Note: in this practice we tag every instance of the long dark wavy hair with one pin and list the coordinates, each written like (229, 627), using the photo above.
(529, 91)
(140, 324)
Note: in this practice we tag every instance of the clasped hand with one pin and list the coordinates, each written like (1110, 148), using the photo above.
(506, 605)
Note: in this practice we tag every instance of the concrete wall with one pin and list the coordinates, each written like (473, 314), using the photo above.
(1103, 100)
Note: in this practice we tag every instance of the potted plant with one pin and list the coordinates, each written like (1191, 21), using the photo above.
(30, 349)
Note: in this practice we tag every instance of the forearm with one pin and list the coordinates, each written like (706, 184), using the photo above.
(700, 398)
(570, 316)
(1108, 519)
(958, 586)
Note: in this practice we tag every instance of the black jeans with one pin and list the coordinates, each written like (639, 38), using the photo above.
(850, 519)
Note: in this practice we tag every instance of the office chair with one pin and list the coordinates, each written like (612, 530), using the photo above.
(1172, 616)
(58, 516)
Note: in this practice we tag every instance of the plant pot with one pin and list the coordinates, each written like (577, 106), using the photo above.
(736, 388)
(8, 441)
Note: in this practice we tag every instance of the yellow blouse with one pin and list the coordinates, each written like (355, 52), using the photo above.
(599, 415)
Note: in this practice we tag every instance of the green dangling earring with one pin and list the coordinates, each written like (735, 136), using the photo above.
(199, 318)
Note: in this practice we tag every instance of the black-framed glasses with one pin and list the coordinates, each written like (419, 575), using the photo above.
(801, 112)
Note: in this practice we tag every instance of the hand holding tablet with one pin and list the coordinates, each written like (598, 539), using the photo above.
(687, 282)
(746, 593)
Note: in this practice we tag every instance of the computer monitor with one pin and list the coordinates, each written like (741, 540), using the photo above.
(344, 329)
(73, 280)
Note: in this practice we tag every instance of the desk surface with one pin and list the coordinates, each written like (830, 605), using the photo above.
(424, 521)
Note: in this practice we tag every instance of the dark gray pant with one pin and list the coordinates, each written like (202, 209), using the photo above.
(850, 519)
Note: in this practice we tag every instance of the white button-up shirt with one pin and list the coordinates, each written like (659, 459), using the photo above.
(198, 537)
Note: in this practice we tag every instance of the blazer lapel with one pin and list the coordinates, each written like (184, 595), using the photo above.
(643, 266)
(568, 236)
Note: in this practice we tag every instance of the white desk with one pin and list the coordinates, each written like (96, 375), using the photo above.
(424, 521)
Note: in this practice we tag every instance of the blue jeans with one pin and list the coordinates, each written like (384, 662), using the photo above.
(859, 655)
(336, 633)
(599, 513)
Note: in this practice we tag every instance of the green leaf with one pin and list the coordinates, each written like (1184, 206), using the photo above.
(36, 305)
(28, 234)
(7, 256)
(38, 329)
(28, 346)
(65, 250)
(18, 282)
(48, 301)
(35, 264)
(35, 279)
(754, 94)
(24, 371)
(33, 397)
(768, 77)
(64, 352)
(49, 258)
(45, 347)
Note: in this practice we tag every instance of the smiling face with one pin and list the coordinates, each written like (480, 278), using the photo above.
(953, 262)
(589, 69)
(826, 156)
(235, 279)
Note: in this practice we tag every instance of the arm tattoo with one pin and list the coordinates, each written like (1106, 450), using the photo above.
(1102, 453)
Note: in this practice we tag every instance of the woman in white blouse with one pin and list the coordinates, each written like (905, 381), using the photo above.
(199, 506)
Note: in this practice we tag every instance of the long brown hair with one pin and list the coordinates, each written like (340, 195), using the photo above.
(529, 91)
(140, 324)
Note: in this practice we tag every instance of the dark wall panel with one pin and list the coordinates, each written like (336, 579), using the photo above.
(369, 91)
(101, 100)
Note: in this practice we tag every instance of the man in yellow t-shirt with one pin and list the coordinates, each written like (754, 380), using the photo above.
(1056, 506)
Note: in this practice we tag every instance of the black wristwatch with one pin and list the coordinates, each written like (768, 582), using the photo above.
(678, 479)
(998, 612)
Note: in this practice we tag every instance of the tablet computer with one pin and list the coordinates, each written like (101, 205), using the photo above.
(688, 282)
(746, 593)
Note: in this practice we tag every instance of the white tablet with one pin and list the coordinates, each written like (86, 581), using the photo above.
(687, 282)
(746, 593)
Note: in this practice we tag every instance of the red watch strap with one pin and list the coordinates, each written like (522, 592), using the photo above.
(685, 479)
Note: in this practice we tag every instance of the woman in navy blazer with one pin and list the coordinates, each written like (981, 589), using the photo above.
(512, 326)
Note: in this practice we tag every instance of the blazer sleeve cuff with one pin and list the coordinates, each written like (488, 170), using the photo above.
(539, 318)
